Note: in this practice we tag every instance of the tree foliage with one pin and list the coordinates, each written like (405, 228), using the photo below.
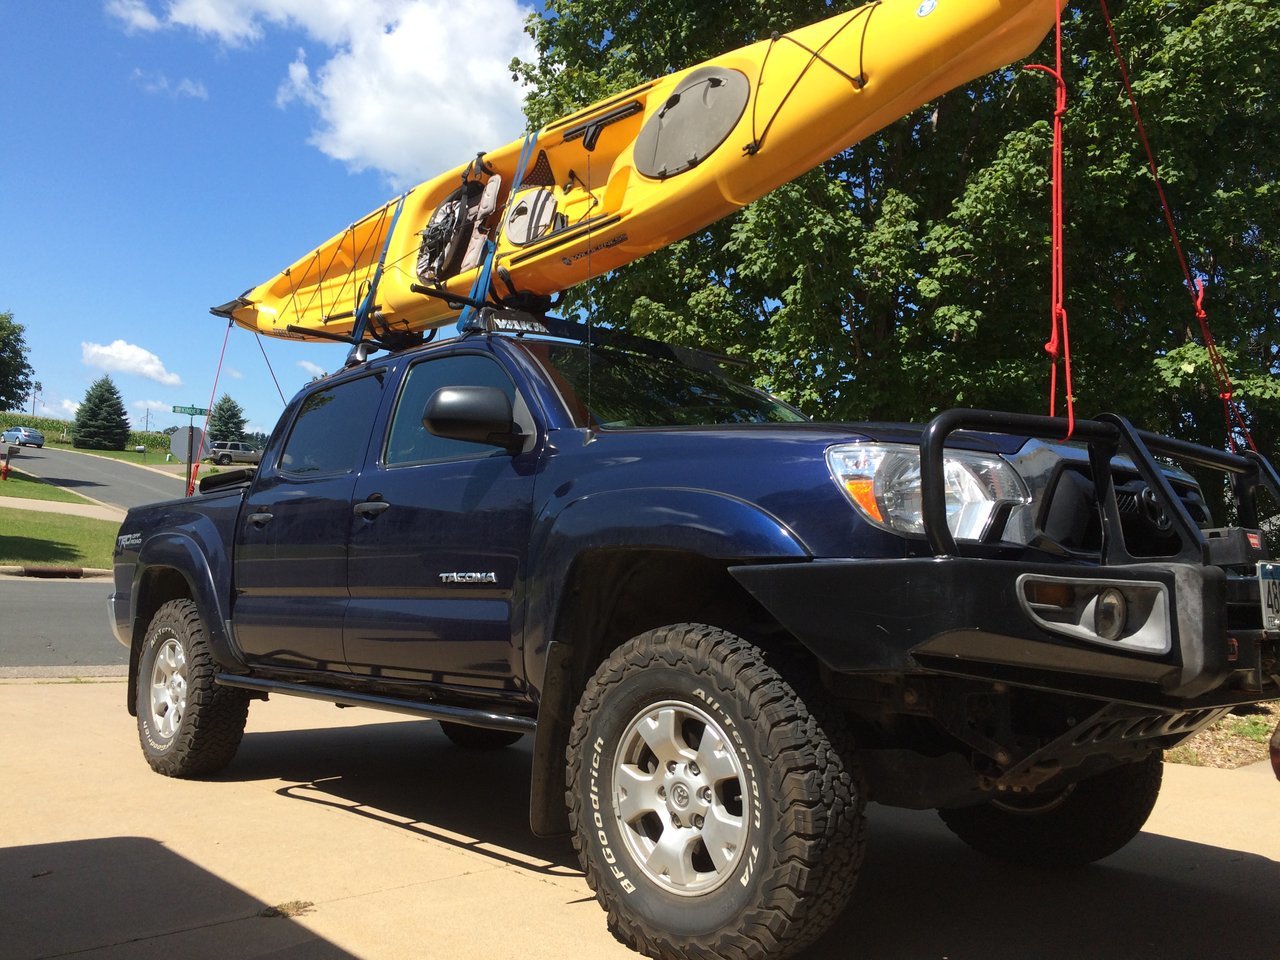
(101, 423)
(910, 273)
(226, 420)
(15, 371)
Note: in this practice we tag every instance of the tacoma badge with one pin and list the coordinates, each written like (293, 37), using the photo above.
(468, 578)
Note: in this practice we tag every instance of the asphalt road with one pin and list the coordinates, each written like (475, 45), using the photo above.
(56, 624)
(113, 482)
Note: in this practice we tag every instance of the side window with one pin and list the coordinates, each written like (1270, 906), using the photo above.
(409, 441)
(331, 431)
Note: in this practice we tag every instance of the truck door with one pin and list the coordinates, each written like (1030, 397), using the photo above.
(291, 552)
(439, 543)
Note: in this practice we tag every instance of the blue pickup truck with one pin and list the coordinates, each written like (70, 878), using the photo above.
(726, 627)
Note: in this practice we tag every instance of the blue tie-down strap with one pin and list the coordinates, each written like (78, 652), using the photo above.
(480, 288)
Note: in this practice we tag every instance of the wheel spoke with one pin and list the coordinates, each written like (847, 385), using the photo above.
(716, 757)
(159, 702)
(661, 732)
(672, 857)
(637, 793)
(723, 834)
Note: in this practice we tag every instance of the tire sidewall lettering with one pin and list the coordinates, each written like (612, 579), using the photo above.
(599, 758)
(146, 663)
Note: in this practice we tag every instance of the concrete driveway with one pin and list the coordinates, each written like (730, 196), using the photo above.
(345, 834)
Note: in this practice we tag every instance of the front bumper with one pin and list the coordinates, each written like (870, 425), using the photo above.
(970, 617)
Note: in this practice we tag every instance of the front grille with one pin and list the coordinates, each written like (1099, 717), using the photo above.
(1070, 517)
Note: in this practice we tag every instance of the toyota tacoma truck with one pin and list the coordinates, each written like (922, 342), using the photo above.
(727, 628)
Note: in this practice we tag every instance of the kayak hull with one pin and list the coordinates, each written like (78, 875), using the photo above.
(608, 184)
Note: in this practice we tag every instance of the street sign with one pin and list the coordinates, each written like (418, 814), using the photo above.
(192, 411)
(185, 443)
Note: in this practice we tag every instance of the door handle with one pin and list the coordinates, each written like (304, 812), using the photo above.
(260, 519)
(370, 508)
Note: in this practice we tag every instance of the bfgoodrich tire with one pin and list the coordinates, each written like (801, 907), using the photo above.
(716, 812)
(1078, 824)
(188, 725)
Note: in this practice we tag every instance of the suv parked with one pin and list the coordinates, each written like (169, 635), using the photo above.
(224, 452)
(726, 626)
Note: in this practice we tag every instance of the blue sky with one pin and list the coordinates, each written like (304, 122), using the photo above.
(158, 157)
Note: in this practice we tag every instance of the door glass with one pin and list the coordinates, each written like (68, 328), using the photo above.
(409, 441)
(331, 431)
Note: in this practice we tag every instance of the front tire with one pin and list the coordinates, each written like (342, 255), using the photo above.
(715, 811)
(1081, 823)
(188, 725)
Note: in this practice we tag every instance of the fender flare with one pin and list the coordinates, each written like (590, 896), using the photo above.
(690, 520)
(686, 519)
(181, 553)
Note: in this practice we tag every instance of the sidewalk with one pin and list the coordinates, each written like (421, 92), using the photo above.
(346, 835)
(95, 511)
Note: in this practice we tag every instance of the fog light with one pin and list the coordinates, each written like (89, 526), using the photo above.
(1109, 614)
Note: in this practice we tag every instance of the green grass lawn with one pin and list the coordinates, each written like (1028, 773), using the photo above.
(51, 539)
(33, 488)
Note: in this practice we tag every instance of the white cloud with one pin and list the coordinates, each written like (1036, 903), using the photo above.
(155, 406)
(121, 357)
(233, 373)
(407, 87)
(69, 407)
(134, 14)
(158, 83)
(313, 369)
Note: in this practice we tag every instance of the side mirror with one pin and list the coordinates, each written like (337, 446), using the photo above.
(474, 414)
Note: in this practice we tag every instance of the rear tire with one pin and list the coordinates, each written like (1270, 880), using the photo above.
(716, 812)
(1071, 827)
(224, 460)
(188, 725)
(478, 738)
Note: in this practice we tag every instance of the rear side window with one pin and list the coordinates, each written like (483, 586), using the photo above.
(331, 431)
(409, 441)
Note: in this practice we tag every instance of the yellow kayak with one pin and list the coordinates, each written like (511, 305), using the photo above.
(634, 173)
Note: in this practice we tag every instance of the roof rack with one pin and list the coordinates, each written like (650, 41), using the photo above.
(521, 323)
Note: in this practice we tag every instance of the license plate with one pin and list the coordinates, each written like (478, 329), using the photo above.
(1269, 582)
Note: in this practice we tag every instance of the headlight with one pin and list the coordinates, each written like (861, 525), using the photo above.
(883, 481)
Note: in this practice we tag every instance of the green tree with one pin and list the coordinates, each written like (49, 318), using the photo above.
(226, 420)
(15, 371)
(101, 423)
(910, 272)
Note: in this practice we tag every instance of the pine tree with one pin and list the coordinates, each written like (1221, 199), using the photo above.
(226, 420)
(101, 423)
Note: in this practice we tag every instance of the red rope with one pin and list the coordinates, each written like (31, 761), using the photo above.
(1230, 409)
(191, 479)
(1059, 345)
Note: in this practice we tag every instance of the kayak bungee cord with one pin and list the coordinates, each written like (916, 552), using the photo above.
(815, 56)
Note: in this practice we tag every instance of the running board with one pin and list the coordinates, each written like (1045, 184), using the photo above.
(343, 698)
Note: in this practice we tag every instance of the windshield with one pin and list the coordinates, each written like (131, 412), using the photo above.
(613, 388)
